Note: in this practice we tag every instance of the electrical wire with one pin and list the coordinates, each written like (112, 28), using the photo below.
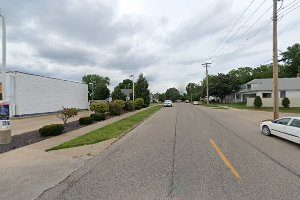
(229, 30)
(240, 28)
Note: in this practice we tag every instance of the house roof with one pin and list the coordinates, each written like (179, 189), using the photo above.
(267, 84)
(127, 92)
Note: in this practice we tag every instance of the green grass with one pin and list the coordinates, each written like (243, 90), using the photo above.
(110, 131)
(244, 106)
(219, 108)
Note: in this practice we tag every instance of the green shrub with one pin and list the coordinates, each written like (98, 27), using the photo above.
(86, 120)
(115, 108)
(129, 106)
(65, 113)
(286, 102)
(121, 102)
(99, 107)
(139, 103)
(51, 130)
(98, 116)
(257, 102)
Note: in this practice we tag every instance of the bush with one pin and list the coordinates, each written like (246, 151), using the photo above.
(86, 120)
(139, 103)
(98, 116)
(257, 102)
(99, 107)
(51, 130)
(286, 102)
(115, 108)
(66, 113)
(121, 102)
(129, 106)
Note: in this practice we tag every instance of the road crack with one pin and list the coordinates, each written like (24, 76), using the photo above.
(173, 158)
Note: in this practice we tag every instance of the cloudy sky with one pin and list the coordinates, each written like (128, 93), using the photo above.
(167, 40)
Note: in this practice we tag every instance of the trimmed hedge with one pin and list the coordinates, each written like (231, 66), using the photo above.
(121, 102)
(257, 102)
(129, 106)
(139, 103)
(86, 120)
(115, 108)
(99, 107)
(51, 130)
(98, 116)
(286, 102)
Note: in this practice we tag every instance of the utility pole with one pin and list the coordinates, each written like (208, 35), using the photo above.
(132, 76)
(275, 63)
(206, 65)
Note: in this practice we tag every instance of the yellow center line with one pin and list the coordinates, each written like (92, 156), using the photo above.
(224, 158)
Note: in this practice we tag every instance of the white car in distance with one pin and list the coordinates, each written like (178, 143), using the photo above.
(286, 127)
(168, 103)
(195, 102)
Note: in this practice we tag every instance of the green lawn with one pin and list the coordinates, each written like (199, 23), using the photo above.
(110, 131)
(244, 106)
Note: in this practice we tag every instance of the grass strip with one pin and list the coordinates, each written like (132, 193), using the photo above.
(110, 131)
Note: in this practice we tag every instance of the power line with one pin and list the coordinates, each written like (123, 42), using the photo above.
(228, 32)
(248, 19)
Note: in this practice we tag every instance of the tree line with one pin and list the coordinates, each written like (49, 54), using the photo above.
(223, 84)
(98, 87)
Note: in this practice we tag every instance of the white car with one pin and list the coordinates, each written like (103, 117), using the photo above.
(168, 103)
(195, 102)
(286, 127)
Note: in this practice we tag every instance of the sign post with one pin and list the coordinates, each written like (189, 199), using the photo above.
(5, 131)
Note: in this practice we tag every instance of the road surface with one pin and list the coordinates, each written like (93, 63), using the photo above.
(189, 152)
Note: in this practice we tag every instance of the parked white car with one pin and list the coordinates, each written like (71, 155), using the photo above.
(287, 128)
(168, 103)
(195, 102)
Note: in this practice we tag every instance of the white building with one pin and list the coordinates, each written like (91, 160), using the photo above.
(287, 87)
(30, 94)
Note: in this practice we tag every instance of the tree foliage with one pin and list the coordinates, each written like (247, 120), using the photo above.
(257, 102)
(117, 94)
(66, 113)
(97, 86)
(291, 59)
(172, 94)
(142, 90)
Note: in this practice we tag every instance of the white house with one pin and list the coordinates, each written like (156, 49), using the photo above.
(30, 94)
(287, 87)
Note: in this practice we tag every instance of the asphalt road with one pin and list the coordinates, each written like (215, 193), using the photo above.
(188, 152)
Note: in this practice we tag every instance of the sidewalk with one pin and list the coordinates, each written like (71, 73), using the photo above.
(27, 172)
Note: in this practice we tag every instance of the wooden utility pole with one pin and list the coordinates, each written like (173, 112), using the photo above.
(275, 64)
(206, 65)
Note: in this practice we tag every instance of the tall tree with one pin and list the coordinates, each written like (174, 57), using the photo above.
(141, 89)
(221, 85)
(292, 61)
(243, 74)
(193, 91)
(172, 94)
(117, 94)
(97, 86)
(162, 97)
(126, 84)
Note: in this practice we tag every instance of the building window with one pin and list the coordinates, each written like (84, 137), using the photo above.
(282, 94)
(248, 87)
(267, 95)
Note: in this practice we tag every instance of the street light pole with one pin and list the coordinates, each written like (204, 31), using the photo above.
(3, 56)
(132, 76)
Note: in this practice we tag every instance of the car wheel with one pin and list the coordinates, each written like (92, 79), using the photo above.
(266, 131)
